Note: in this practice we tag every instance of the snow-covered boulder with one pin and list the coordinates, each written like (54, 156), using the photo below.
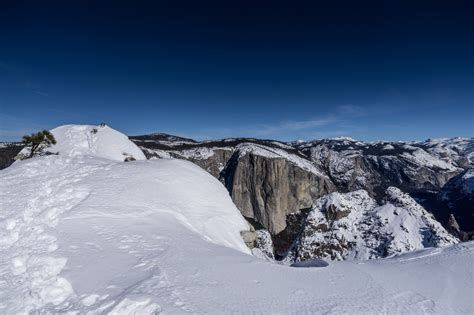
(353, 226)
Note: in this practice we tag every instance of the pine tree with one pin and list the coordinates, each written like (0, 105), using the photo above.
(36, 141)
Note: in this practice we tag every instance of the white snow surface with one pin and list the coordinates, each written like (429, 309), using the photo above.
(84, 233)
(99, 141)
(421, 157)
(450, 148)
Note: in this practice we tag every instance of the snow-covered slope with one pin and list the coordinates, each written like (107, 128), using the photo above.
(453, 150)
(104, 142)
(354, 226)
(99, 141)
(83, 234)
(82, 224)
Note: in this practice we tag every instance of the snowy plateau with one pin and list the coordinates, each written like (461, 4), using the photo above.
(83, 232)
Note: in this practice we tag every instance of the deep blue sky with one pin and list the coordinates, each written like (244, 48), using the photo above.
(287, 70)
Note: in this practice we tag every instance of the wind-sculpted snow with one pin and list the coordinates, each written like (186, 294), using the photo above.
(99, 141)
(56, 209)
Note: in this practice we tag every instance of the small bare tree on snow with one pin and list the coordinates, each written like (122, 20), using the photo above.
(38, 141)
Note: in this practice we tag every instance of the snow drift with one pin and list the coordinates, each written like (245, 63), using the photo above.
(98, 141)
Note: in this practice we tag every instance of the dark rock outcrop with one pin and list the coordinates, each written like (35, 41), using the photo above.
(8, 152)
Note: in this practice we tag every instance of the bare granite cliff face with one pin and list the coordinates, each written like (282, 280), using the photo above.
(267, 189)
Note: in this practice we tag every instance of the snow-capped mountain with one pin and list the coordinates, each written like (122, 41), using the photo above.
(84, 232)
(354, 226)
(376, 166)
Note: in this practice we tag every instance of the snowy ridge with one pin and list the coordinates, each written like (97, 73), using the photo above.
(421, 157)
(451, 149)
(274, 153)
(374, 166)
(200, 153)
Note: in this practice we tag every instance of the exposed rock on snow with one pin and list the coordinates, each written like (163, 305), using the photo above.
(8, 152)
(354, 226)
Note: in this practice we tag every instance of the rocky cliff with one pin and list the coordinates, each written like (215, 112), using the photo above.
(8, 152)
(354, 226)
(267, 185)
